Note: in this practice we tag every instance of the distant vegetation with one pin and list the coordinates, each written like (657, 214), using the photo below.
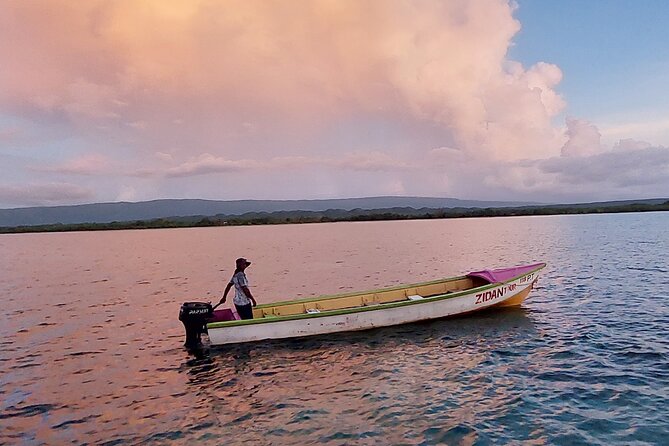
(338, 215)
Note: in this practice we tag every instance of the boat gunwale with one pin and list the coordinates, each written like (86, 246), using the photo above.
(438, 297)
(358, 293)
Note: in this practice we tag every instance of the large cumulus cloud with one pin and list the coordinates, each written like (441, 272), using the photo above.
(164, 96)
(184, 67)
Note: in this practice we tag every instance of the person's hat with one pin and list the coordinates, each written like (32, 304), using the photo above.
(242, 261)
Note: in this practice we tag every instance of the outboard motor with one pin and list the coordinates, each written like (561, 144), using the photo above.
(194, 316)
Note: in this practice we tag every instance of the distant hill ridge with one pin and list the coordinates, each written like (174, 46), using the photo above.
(146, 210)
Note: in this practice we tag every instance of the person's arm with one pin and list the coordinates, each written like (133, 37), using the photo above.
(225, 293)
(249, 295)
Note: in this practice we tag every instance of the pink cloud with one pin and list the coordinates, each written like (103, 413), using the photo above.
(139, 125)
(202, 165)
(44, 194)
(216, 67)
(90, 164)
(163, 156)
(628, 144)
(583, 138)
(445, 156)
(209, 164)
(372, 161)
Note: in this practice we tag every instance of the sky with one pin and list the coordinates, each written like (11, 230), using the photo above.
(124, 100)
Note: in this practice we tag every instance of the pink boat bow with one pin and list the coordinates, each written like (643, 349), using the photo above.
(504, 274)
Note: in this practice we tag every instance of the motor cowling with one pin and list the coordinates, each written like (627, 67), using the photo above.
(194, 316)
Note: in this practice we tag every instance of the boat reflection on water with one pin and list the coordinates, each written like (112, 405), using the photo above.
(435, 373)
(484, 323)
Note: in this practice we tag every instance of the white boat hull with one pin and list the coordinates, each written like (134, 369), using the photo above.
(373, 317)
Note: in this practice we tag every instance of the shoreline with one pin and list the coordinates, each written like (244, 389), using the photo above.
(335, 215)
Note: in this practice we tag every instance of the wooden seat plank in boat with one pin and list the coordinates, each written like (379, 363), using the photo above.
(380, 297)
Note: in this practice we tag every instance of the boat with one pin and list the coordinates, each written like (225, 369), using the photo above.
(385, 307)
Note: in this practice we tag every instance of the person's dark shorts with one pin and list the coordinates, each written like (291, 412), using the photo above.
(244, 311)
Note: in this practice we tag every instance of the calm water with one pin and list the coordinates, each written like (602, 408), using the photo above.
(91, 348)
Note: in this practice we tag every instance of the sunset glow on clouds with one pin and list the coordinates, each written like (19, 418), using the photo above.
(103, 101)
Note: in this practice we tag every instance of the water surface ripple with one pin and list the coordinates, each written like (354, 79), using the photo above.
(91, 348)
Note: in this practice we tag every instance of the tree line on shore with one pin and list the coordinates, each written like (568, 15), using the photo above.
(338, 215)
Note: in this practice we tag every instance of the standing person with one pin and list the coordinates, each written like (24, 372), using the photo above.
(243, 297)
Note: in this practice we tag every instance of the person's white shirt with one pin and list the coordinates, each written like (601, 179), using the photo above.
(239, 280)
